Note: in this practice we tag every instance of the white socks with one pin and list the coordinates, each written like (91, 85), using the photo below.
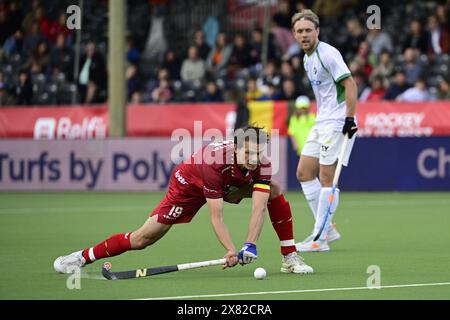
(311, 190)
(317, 198)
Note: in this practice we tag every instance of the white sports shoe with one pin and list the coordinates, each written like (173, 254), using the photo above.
(64, 263)
(313, 246)
(293, 263)
(333, 234)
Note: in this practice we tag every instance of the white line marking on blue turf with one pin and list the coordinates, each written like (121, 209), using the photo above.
(296, 291)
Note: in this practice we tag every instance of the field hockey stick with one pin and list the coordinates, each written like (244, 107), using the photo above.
(152, 271)
(335, 182)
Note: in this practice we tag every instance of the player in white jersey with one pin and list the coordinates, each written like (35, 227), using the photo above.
(336, 96)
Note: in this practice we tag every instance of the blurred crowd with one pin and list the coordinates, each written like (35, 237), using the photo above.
(37, 58)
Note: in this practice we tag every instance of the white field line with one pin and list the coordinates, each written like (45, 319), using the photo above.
(296, 291)
(362, 203)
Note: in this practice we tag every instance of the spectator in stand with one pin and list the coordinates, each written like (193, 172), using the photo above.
(397, 87)
(412, 66)
(162, 93)
(133, 53)
(287, 73)
(212, 93)
(286, 70)
(14, 44)
(163, 74)
(202, 47)
(361, 83)
(193, 67)
(272, 93)
(256, 45)
(355, 66)
(297, 65)
(281, 31)
(377, 90)
(439, 38)
(354, 37)
(289, 91)
(444, 89)
(173, 64)
(219, 56)
(3, 80)
(133, 84)
(415, 94)
(32, 39)
(61, 58)
(60, 27)
(328, 8)
(240, 56)
(38, 61)
(416, 38)
(30, 17)
(282, 16)
(253, 93)
(5, 98)
(385, 68)
(378, 41)
(92, 78)
(301, 5)
(270, 76)
(362, 59)
(44, 22)
(23, 91)
(301, 80)
(442, 12)
(15, 14)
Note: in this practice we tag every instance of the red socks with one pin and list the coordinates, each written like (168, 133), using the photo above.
(281, 217)
(113, 246)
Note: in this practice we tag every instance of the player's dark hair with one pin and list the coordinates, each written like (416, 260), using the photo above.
(252, 133)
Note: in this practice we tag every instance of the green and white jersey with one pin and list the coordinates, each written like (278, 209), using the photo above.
(325, 67)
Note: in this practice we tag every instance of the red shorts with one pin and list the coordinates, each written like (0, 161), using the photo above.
(181, 202)
(176, 210)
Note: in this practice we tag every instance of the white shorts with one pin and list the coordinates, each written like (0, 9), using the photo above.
(326, 146)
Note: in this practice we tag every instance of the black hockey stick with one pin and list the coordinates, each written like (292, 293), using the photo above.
(138, 273)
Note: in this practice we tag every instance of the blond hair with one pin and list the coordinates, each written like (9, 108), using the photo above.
(305, 14)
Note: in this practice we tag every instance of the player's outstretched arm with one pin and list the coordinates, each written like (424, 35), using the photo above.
(248, 253)
(216, 210)
(259, 204)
